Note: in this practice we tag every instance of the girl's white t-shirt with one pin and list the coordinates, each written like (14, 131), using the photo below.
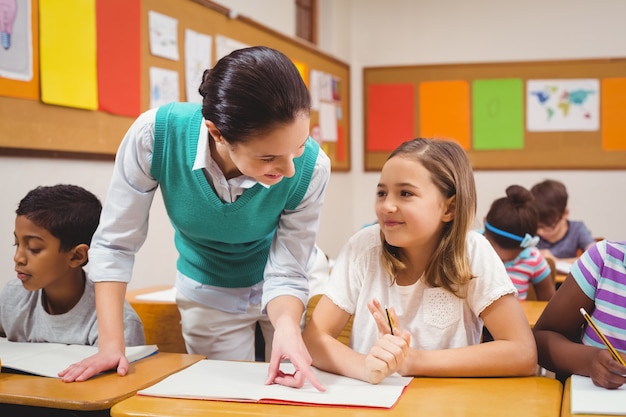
(435, 318)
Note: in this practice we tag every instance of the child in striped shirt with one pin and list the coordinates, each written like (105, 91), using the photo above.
(597, 283)
(510, 227)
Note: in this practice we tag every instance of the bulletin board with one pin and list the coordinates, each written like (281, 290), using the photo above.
(465, 102)
(31, 127)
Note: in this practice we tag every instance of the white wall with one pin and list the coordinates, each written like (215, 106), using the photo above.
(155, 263)
(398, 32)
(279, 15)
(372, 33)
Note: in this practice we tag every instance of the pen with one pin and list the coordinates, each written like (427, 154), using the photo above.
(602, 337)
(389, 320)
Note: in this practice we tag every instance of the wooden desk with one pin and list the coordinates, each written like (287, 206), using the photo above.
(98, 393)
(480, 397)
(161, 320)
(532, 310)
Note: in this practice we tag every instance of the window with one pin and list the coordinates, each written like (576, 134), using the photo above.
(306, 20)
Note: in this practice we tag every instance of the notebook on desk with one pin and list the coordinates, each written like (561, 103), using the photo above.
(48, 359)
(563, 267)
(245, 382)
(588, 398)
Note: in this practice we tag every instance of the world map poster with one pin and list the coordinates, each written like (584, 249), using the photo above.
(562, 105)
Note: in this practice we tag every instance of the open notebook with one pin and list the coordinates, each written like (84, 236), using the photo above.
(245, 382)
(588, 398)
(48, 359)
(563, 267)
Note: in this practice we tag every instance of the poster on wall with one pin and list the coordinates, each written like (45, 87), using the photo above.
(197, 59)
(163, 35)
(163, 87)
(16, 53)
(225, 45)
(562, 105)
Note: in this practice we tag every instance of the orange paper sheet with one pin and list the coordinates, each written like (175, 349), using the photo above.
(444, 111)
(67, 36)
(613, 114)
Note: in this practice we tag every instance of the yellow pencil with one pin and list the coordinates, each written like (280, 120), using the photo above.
(389, 319)
(602, 337)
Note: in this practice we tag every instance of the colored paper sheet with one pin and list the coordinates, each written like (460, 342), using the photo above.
(613, 114)
(303, 69)
(390, 116)
(444, 109)
(19, 61)
(119, 56)
(498, 114)
(67, 37)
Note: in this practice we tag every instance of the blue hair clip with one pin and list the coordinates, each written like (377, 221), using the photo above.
(525, 242)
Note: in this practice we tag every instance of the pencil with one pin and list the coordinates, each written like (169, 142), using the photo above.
(602, 337)
(389, 320)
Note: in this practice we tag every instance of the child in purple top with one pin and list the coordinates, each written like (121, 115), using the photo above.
(597, 283)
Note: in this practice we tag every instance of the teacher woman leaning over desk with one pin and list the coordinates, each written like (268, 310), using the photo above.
(243, 185)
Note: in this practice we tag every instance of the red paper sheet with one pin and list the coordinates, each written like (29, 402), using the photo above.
(118, 31)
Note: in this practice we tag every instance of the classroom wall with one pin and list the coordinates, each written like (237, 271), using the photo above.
(373, 33)
(409, 32)
(279, 15)
(155, 262)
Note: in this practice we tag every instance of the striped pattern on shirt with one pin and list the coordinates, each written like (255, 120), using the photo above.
(601, 274)
(528, 267)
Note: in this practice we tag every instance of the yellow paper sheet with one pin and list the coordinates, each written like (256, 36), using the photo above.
(68, 53)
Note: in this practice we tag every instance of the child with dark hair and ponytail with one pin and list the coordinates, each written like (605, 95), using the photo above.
(510, 227)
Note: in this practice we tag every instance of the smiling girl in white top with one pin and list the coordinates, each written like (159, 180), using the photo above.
(440, 280)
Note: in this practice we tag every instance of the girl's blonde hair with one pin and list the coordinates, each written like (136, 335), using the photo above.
(451, 172)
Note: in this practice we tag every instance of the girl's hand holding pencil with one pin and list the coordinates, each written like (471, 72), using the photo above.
(387, 356)
(608, 368)
(605, 371)
(384, 317)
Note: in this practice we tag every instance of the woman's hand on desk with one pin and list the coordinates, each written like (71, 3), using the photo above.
(93, 365)
(387, 356)
(288, 344)
(606, 372)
